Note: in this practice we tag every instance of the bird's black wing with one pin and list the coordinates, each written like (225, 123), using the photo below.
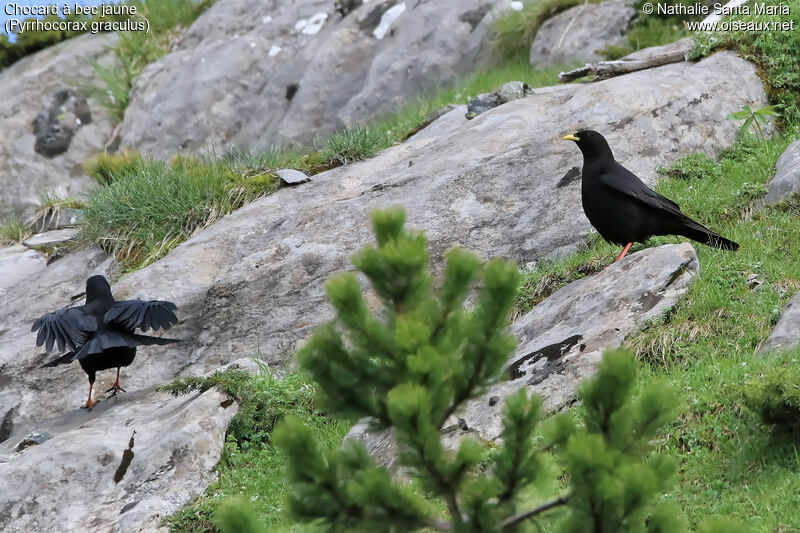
(623, 180)
(69, 327)
(132, 314)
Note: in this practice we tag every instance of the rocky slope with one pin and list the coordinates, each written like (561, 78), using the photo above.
(294, 71)
(502, 184)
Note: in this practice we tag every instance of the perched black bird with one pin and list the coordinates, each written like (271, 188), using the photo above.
(99, 334)
(623, 209)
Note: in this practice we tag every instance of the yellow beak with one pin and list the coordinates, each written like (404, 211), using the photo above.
(570, 138)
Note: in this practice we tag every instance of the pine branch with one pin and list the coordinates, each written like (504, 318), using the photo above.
(512, 521)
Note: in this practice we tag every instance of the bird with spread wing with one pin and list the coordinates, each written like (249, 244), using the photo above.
(100, 333)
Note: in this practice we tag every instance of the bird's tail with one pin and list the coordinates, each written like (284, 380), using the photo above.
(147, 340)
(63, 360)
(698, 232)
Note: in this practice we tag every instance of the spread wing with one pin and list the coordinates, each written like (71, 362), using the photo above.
(132, 314)
(69, 327)
(626, 182)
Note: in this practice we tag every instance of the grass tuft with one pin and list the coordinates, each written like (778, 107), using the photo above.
(51, 209)
(13, 231)
(150, 207)
(353, 144)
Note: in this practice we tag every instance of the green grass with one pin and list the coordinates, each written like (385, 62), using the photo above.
(13, 231)
(646, 32)
(704, 348)
(251, 467)
(730, 464)
(150, 207)
(353, 144)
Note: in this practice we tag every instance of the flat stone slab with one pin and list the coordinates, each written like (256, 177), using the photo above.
(291, 176)
(50, 239)
(85, 478)
(18, 263)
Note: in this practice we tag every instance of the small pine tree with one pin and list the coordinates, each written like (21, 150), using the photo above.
(412, 365)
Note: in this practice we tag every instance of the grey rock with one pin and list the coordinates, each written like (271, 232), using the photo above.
(575, 34)
(513, 90)
(33, 439)
(253, 283)
(753, 281)
(18, 263)
(264, 73)
(562, 340)
(57, 122)
(787, 176)
(50, 239)
(85, 478)
(786, 333)
(57, 219)
(28, 86)
(291, 177)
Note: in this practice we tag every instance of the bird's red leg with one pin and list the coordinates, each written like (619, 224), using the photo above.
(89, 402)
(116, 388)
(624, 251)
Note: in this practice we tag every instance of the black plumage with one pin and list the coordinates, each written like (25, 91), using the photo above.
(100, 333)
(623, 209)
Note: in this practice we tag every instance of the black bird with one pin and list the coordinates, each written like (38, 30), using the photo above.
(623, 209)
(100, 333)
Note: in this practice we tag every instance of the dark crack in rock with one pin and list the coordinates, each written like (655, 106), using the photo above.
(127, 457)
(550, 355)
